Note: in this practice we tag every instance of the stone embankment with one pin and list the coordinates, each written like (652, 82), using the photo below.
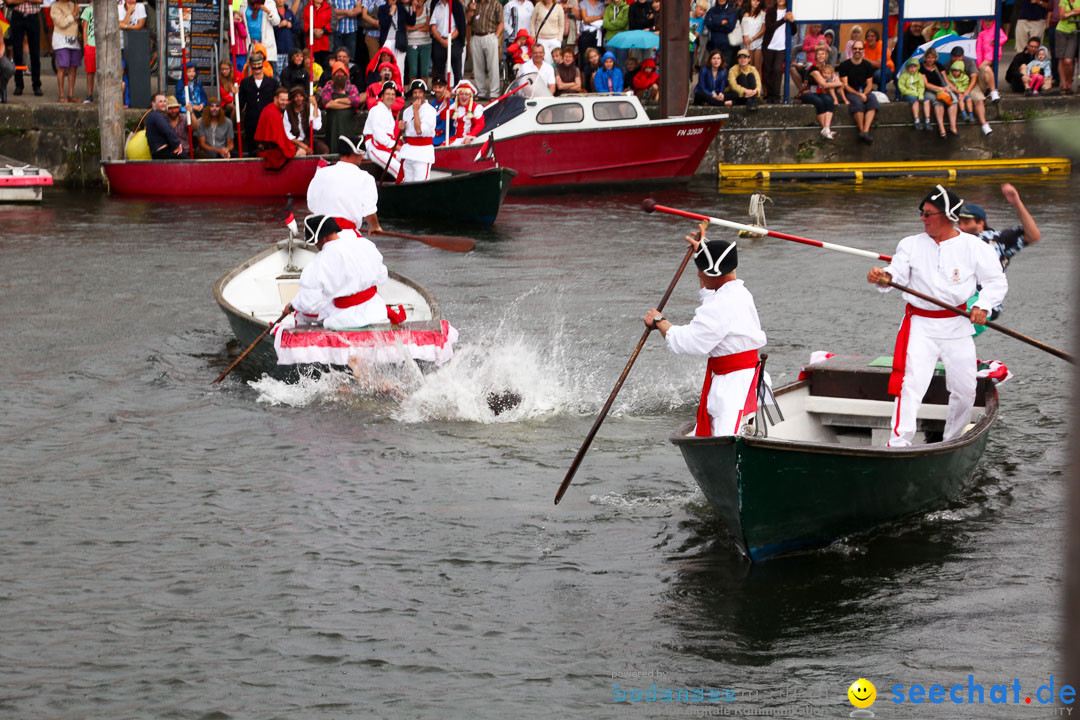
(65, 139)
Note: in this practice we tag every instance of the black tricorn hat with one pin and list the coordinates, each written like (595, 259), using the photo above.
(716, 257)
(317, 227)
(944, 200)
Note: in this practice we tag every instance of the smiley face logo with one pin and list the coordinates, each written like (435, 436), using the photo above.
(862, 693)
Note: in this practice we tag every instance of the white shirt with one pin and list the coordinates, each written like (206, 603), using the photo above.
(301, 132)
(347, 265)
(438, 20)
(419, 153)
(380, 125)
(523, 10)
(950, 272)
(751, 26)
(546, 71)
(139, 13)
(778, 41)
(343, 190)
(725, 323)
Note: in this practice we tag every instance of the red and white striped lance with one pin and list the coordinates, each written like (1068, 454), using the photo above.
(650, 206)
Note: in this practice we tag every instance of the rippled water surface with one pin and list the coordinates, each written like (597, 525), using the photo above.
(257, 550)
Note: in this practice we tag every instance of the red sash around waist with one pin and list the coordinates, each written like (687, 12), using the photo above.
(724, 365)
(419, 140)
(377, 144)
(899, 358)
(355, 299)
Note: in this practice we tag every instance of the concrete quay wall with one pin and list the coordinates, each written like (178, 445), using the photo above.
(791, 134)
(65, 139)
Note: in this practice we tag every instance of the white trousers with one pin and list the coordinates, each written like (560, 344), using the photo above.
(923, 353)
(416, 170)
(727, 398)
(382, 157)
(485, 63)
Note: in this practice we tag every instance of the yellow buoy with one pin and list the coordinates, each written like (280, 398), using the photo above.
(137, 148)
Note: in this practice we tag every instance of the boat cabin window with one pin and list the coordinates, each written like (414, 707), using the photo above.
(620, 110)
(561, 113)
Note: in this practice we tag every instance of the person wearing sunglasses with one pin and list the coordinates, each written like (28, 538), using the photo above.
(857, 74)
(725, 328)
(949, 265)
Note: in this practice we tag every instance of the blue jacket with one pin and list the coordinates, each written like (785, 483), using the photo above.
(708, 84)
(608, 80)
(198, 94)
(721, 20)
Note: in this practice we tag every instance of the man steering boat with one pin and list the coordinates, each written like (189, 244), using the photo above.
(947, 264)
(344, 191)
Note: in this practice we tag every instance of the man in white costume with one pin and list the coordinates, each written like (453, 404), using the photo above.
(345, 192)
(418, 126)
(338, 287)
(948, 265)
(725, 328)
(380, 131)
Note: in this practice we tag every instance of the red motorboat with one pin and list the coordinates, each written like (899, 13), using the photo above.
(583, 140)
(246, 177)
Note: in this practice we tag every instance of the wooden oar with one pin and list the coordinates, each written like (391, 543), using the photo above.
(453, 243)
(251, 347)
(650, 205)
(618, 385)
(993, 325)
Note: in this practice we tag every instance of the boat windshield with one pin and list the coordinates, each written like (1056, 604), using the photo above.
(503, 111)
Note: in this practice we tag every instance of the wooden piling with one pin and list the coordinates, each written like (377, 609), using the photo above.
(110, 86)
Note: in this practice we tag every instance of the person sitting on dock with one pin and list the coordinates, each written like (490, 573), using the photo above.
(1006, 243)
(417, 127)
(858, 77)
(344, 191)
(338, 288)
(381, 131)
(744, 82)
(727, 329)
(160, 135)
(950, 265)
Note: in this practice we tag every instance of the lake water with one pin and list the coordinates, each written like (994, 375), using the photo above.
(257, 550)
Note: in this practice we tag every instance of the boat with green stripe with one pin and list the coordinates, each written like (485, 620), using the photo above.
(823, 473)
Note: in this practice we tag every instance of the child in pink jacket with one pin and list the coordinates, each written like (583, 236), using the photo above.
(984, 56)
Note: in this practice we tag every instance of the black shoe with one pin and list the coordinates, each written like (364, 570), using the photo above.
(17, 91)
(38, 92)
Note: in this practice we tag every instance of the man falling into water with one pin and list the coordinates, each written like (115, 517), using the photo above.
(725, 328)
(948, 265)
(338, 288)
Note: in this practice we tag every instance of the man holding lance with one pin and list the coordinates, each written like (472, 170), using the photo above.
(727, 329)
(418, 126)
(946, 264)
(338, 288)
(381, 131)
(344, 191)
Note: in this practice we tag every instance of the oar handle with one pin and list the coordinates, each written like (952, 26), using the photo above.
(251, 346)
(618, 385)
(993, 325)
(453, 243)
(650, 206)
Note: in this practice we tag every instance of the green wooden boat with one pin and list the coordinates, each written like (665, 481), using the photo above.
(823, 473)
(448, 196)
